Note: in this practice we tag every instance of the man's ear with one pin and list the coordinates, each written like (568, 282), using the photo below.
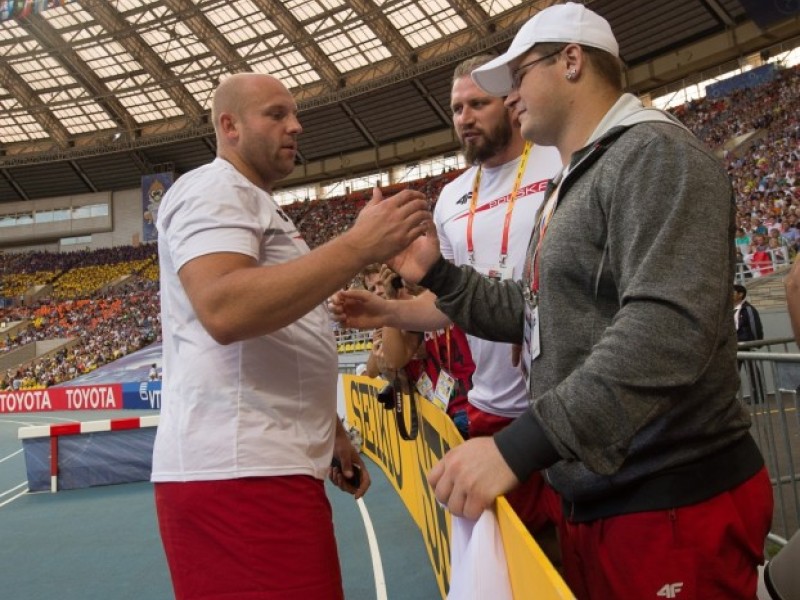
(574, 60)
(228, 125)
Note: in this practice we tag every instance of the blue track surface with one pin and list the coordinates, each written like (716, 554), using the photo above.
(102, 543)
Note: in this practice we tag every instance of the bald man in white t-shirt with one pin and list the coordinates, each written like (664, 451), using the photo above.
(248, 425)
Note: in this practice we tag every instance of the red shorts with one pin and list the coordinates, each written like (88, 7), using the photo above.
(258, 538)
(706, 551)
(535, 502)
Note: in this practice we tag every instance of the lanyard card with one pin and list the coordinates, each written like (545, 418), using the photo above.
(445, 386)
(425, 387)
(498, 272)
(501, 272)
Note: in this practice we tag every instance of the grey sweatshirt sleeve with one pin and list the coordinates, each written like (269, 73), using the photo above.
(483, 307)
(525, 447)
(493, 310)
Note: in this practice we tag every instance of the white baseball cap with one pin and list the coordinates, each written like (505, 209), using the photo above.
(568, 23)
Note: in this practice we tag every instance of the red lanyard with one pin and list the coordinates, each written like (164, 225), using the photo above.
(547, 214)
(436, 348)
(473, 206)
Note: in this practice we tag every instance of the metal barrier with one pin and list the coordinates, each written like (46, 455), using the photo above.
(770, 262)
(769, 387)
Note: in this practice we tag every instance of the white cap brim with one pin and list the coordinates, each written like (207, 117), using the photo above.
(495, 76)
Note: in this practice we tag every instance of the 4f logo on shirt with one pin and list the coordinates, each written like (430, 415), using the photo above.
(464, 199)
(670, 590)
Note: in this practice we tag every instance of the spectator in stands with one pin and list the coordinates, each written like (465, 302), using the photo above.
(244, 443)
(760, 259)
(742, 241)
(789, 234)
(760, 243)
(484, 218)
(757, 224)
(778, 251)
(631, 355)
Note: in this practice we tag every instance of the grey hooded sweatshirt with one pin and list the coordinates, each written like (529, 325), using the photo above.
(633, 398)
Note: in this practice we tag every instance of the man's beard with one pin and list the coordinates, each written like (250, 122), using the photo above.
(494, 142)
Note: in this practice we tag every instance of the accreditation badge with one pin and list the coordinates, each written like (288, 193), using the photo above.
(424, 386)
(498, 272)
(445, 388)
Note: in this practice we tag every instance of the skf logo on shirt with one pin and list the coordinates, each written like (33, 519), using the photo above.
(670, 590)
(465, 198)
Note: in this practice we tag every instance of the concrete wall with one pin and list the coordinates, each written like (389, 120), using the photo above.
(126, 227)
(776, 325)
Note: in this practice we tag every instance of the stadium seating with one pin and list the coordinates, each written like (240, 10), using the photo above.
(756, 131)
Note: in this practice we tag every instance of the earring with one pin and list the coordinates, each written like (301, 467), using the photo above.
(571, 74)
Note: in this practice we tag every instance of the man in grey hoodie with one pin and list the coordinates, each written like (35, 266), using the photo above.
(626, 334)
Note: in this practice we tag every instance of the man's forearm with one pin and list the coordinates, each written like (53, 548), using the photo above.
(419, 314)
(483, 307)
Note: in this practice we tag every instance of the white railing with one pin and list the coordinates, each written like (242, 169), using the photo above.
(763, 265)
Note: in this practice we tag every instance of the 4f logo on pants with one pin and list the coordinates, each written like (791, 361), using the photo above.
(670, 590)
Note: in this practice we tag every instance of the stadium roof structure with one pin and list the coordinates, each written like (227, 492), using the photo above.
(96, 93)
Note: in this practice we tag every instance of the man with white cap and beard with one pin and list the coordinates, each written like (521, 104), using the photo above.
(627, 339)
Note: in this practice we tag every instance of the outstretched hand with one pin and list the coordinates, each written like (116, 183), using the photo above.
(385, 226)
(416, 260)
(358, 309)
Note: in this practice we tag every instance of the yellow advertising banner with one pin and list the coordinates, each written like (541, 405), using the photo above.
(406, 464)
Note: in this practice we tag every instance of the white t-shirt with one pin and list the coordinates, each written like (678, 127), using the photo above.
(262, 406)
(497, 387)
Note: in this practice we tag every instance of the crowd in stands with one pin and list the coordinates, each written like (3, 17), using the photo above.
(323, 219)
(102, 324)
(763, 168)
(109, 323)
(72, 274)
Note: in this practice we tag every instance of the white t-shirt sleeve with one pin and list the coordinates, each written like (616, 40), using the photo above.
(232, 223)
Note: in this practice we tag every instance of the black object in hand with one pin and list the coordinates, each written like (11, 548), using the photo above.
(386, 396)
(355, 480)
